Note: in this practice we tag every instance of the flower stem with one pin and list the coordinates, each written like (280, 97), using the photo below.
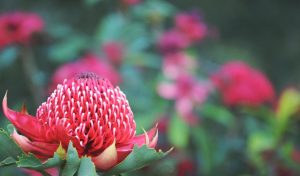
(30, 70)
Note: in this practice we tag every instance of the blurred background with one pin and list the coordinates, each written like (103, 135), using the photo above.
(220, 77)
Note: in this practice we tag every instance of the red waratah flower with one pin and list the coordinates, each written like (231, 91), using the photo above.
(114, 51)
(240, 84)
(90, 112)
(88, 63)
(172, 41)
(18, 27)
(175, 64)
(191, 25)
(186, 91)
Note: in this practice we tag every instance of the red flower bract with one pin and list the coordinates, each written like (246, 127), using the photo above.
(18, 27)
(86, 110)
(240, 84)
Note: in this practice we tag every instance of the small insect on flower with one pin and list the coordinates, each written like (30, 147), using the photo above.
(88, 111)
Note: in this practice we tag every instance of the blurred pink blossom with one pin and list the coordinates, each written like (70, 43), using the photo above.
(131, 2)
(177, 63)
(88, 63)
(114, 51)
(172, 41)
(18, 27)
(240, 84)
(187, 92)
(191, 25)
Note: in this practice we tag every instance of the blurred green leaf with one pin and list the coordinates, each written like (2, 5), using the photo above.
(7, 161)
(8, 148)
(29, 161)
(218, 114)
(154, 10)
(178, 132)
(110, 29)
(72, 161)
(8, 55)
(257, 143)
(138, 158)
(86, 167)
(91, 2)
(289, 103)
(68, 49)
(205, 149)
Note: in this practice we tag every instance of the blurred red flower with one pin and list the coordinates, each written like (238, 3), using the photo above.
(186, 167)
(240, 84)
(191, 25)
(114, 51)
(187, 92)
(18, 27)
(177, 63)
(172, 41)
(88, 63)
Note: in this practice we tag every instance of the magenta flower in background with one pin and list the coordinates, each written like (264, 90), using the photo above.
(191, 25)
(177, 63)
(90, 112)
(18, 27)
(187, 92)
(88, 63)
(131, 2)
(239, 84)
(172, 41)
(114, 52)
(186, 167)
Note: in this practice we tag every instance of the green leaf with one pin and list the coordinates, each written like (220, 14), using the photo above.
(205, 149)
(91, 2)
(67, 49)
(86, 167)
(7, 161)
(178, 132)
(138, 158)
(29, 161)
(72, 162)
(218, 114)
(53, 162)
(8, 56)
(154, 10)
(8, 148)
(289, 103)
(110, 28)
(257, 143)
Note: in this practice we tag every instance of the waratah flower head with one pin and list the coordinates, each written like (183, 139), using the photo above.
(240, 84)
(88, 63)
(18, 27)
(90, 112)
